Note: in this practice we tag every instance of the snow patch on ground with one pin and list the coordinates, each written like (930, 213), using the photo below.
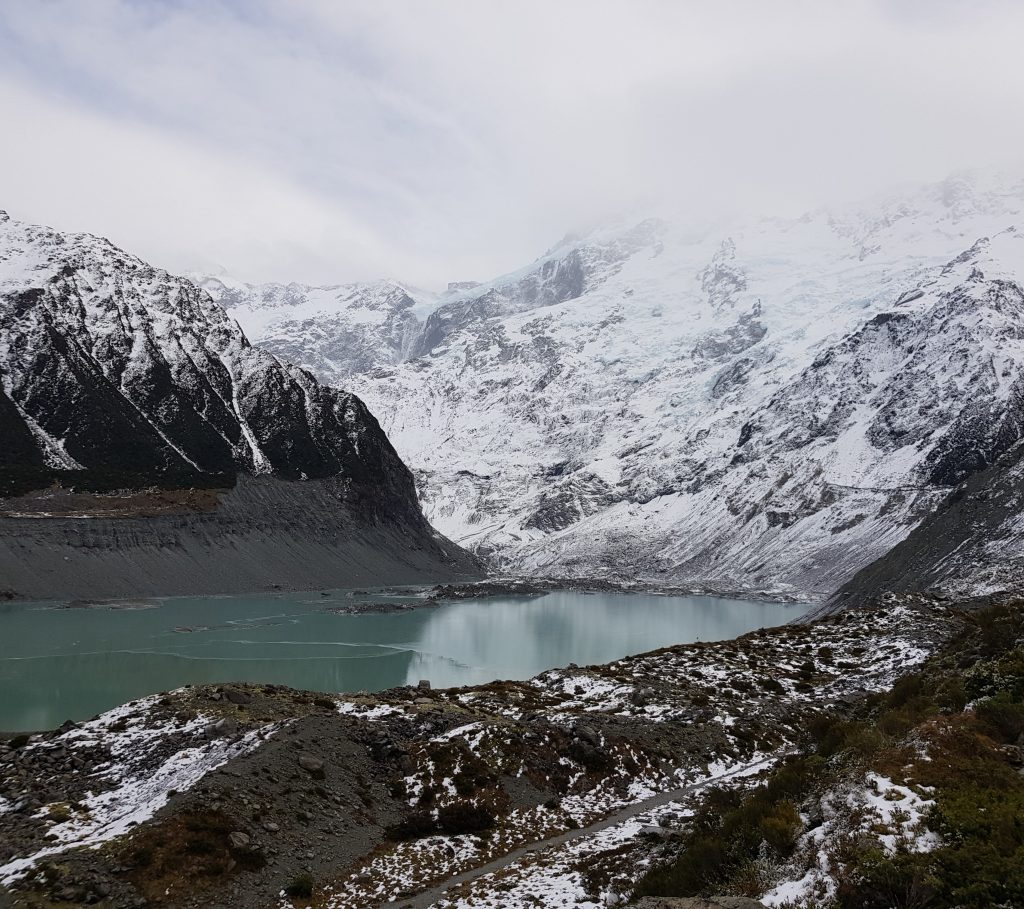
(139, 789)
(875, 807)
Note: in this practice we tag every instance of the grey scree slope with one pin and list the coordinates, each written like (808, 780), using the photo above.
(265, 534)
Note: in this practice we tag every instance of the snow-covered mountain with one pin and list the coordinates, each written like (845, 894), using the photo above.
(132, 377)
(334, 330)
(107, 362)
(764, 406)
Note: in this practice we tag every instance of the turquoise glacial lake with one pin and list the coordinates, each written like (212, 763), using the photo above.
(63, 661)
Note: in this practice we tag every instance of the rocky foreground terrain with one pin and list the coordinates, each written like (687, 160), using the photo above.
(766, 405)
(121, 384)
(579, 787)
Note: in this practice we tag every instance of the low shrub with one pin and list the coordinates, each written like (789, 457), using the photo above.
(900, 881)
(452, 820)
(904, 690)
(1001, 717)
(951, 694)
(412, 827)
(301, 886)
(464, 817)
(731, 830)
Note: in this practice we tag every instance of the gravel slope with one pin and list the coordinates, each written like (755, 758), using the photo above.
(264, 534)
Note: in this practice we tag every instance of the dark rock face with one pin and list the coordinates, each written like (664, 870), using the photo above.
(723, 279)
(19, 445)
(110, 363)
(567, 501)
(725, 344)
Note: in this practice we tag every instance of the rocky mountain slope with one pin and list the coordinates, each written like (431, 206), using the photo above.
(767, 405)
(108, 364)
(971, 542)
(334, 330)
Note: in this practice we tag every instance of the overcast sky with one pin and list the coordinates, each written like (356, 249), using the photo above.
(430, 141)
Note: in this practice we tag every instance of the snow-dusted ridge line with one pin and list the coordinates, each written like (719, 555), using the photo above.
(107, 362)
(123, 370)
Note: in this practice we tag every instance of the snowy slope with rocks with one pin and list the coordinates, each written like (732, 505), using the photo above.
(334, 330)
(765, 406)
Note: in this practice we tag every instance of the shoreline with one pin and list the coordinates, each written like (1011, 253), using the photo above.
(504, 585)
(441, 593)
(389, 600)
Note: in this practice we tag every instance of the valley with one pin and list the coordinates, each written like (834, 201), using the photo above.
(505, 764)
(656, 569)
(98, 654)
(563, 454)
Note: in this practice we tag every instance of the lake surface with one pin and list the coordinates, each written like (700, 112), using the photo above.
(59, 662)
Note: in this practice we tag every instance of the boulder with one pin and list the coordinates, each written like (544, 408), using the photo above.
(311, 764)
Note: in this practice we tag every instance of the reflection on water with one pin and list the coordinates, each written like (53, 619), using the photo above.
(515, 638)
(57, 664)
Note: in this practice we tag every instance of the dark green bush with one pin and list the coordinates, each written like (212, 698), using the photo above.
(807, 669)
(951, 695)
(464, 817)
(906, 689)
(900, 881)
(731, 830)
(1001, 717)
(301, 886)
(412, 827)
(452, 820)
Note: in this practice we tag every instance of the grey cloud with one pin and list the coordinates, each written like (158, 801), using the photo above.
(446, 140)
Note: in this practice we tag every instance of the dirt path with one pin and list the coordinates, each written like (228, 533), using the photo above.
(429, 897)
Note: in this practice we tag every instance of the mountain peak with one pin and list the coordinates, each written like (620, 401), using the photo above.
(109, 363)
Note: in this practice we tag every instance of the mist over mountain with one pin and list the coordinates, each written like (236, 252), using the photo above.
(767, 406)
